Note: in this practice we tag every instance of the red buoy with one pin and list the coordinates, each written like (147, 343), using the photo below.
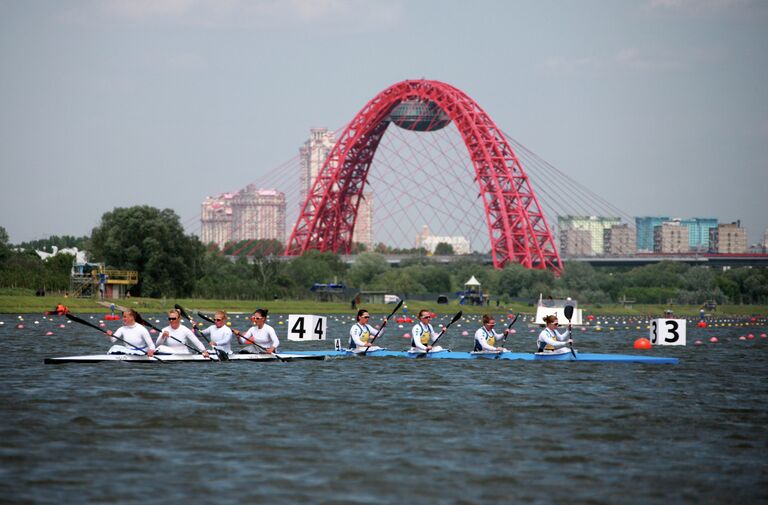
(642, 343)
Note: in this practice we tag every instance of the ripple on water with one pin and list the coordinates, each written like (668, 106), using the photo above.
(382, 431)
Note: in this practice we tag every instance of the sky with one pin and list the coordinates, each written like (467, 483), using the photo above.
(658, 106)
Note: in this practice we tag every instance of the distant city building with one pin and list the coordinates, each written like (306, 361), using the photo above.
(249, 214)
(258, 214)
(425, 239)
(644, 231)
(765, 241)
(363, 233)
(619, 240)
(728, 239)
(593, 224)
(670, 238)
(312, 156)
(575, 243)
(698, 232)
(216, 219)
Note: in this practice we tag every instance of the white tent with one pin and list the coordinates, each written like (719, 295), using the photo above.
(472, 282)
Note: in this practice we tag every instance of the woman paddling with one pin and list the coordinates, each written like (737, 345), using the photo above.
(133, 334)
(219, 333)
(486, 336)
(424, 335)
(550, 340)
(175, 337)
(361, 332)
(261, 334)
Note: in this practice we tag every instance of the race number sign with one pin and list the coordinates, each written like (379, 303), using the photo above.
(668, 332)
(303, 327)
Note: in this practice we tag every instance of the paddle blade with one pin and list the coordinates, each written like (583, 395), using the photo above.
(568, 311)
(182, 311)
(456, 317)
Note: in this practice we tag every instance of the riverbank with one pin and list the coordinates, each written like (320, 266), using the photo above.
(22, 304)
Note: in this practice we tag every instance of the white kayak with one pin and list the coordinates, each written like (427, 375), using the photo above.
(175, 358)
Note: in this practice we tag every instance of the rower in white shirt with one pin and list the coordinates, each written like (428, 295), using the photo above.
(550, 340)
(423, 334)
(177, 339)
(135, 337)
(261, 334)
(486, 337)
(362, 334)
(219, 334)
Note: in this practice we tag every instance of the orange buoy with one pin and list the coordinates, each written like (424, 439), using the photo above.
(642, 343)
(701, 324)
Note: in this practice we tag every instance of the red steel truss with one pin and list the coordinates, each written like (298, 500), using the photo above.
(518, 230)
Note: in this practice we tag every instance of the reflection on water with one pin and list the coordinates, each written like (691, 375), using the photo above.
(385, 430)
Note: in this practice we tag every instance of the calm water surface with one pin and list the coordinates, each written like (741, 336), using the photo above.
(385, 430)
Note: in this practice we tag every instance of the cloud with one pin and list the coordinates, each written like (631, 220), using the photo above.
(625, 58)
(699, 6)
(274, 14)
(635, 59)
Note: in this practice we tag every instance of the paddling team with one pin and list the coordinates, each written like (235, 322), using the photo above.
(261, 337)
(178, 339)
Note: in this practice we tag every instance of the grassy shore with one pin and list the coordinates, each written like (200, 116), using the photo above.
(23, 304)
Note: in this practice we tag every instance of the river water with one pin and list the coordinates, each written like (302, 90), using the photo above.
(386, 430)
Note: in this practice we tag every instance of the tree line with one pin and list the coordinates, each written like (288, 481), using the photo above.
(173, 264)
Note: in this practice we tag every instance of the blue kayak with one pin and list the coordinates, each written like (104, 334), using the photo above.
(591, 357)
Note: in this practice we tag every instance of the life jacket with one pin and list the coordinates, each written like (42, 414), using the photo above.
(543, 346)
(364, 336)
(424, 336)
(61, 309)
(489, 337)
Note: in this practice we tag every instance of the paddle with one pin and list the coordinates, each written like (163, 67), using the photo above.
(455, 318)
(146, 323)
(568, 311)
(386, 320)
(88, 323)
(223, 356)
(504, 338)
(236, 332)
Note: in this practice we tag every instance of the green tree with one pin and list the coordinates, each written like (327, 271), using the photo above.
(60, 242)
(365, 268)
(398, 281)
(314, 266)
(444, 249)
(153, 242)
(4, 251)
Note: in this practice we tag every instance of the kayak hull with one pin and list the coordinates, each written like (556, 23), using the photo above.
(589, 357)
(180, 358)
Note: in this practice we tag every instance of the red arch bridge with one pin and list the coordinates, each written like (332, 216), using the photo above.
(517, 228)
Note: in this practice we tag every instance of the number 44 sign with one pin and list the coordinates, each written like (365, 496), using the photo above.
(668, 332)
(303, 327)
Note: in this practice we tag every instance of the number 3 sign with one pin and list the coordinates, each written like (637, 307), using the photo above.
(668, 332)
(306, 327)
